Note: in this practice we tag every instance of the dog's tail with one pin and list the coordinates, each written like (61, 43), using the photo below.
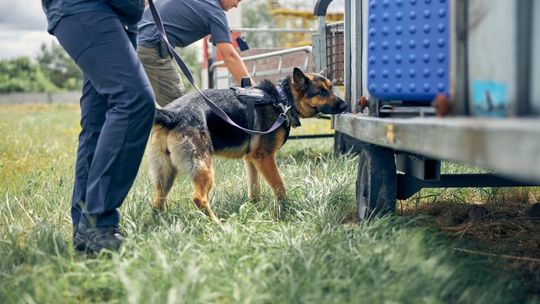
(165, 119)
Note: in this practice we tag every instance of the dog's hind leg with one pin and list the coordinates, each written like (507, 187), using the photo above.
(191, 153)
(162, 171)
(254, 185)
(203, 179)
(165, 175)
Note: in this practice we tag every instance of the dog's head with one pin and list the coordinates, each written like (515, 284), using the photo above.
(314, 94)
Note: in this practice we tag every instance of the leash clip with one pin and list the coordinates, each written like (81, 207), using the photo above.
(285, 117)
(284, 108)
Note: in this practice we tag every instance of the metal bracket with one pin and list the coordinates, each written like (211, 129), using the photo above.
(408, 185)
(418, 166)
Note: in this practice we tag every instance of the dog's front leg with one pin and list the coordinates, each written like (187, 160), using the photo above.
(266, 165)
(254, 185)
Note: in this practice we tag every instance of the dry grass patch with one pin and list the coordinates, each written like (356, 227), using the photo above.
(505, 228)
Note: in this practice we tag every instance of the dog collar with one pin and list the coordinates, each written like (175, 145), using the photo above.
(283, 100)
(285, 106)
(282, 96)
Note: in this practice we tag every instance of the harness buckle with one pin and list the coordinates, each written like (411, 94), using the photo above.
(284, 108)
(286, 118)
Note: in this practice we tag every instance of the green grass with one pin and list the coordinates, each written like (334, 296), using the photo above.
(316, 254)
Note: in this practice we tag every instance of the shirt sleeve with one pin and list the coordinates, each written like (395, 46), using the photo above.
(219, 27)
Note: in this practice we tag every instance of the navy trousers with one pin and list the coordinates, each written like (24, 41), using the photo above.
(117, 110)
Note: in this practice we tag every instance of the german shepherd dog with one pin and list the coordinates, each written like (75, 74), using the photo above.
(187, 134)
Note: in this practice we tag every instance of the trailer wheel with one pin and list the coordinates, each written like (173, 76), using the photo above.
(376, 184)
(344, 143)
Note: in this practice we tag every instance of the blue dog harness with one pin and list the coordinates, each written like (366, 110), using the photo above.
(253, 97)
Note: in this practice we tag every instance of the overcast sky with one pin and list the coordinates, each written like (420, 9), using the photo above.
(23, 27)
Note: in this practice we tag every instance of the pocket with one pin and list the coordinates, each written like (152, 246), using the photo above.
(145, 55)
(72, 36)
(170, 86)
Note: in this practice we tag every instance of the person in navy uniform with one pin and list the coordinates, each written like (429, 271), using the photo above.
(117, 110)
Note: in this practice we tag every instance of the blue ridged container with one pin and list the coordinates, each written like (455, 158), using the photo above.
(408, 49)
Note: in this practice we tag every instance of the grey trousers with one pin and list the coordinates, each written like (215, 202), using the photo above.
(164, 78)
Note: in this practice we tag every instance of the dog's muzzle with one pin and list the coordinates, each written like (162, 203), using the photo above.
(338, 106)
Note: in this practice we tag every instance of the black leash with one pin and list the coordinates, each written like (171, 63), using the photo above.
(217, 110)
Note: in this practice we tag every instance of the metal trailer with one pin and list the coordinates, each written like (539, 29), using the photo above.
(426, 81)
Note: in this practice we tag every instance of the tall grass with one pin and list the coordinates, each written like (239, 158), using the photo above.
(316, 254)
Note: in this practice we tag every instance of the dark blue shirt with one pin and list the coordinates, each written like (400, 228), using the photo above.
(185, 21)
(56, 9)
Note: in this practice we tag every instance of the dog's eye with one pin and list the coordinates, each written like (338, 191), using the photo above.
(323, 92)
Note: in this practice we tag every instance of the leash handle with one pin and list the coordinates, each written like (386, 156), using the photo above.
(217, 110)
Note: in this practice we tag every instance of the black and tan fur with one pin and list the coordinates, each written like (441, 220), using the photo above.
(187, 134)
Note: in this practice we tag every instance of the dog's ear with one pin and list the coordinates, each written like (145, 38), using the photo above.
(300, 79)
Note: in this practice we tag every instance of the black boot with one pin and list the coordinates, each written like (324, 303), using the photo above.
(93, 240)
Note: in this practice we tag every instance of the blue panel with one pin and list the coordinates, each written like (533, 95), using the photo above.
(408, 49)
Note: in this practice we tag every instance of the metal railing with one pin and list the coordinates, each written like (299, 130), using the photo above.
(335, 52)
(278, 71)
(271, 30)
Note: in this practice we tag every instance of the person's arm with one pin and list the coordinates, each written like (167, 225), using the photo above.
(233, 62)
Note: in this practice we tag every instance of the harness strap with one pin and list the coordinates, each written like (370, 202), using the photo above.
(217, 110)
(284, 101)
(250, 113)
(282, 96)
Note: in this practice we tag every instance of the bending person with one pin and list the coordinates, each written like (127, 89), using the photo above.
(185, 22)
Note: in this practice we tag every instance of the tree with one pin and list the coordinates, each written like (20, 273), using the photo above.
(190, 56)
(59, 67)
(23, 75)
(257, 15)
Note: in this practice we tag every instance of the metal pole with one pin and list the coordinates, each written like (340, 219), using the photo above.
(461, 99)
(524, 40)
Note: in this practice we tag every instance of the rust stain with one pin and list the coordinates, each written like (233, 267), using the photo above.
(363, 102)
(442, 105)
(390, 137)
